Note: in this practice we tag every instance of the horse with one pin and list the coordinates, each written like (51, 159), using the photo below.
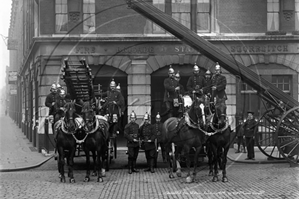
(96, 129)
(185, 134)
(65, 141)
(218, 143)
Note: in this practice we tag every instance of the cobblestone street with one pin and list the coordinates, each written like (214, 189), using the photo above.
(245, 181)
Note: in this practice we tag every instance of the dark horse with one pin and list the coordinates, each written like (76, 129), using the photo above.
(185, 134)
(96, 129)
(218, 143)
(66, 144)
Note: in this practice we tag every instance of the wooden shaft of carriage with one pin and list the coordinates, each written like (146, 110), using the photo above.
(265, 89)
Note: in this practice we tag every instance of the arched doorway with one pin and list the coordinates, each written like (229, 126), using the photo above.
(103, 75)
(157, 86)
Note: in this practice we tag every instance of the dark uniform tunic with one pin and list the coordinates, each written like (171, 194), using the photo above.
(220, 82)
(207, 86)
(147, 133)
(49, 100)
(240, 136)
(195, 83)
(170, 94)
(131, 132)
(110, 108)
(60, 102)
(158, 128)
(249, 128)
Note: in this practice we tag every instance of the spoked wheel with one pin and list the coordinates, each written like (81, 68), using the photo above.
(265, 134)
(287, 136)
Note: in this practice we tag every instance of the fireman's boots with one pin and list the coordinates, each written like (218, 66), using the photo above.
(148, 164)
(134, 167)
(152, 165)
(130, 166)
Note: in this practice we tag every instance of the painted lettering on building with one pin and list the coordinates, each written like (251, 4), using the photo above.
(85, 50)
(259, 49)
(136, 50)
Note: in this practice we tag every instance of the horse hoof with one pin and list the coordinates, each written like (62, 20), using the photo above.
(72, 180)
(86, 179)
(210, 173)
(59, 176)
(189, 179)
(103, 173)
(215, 179)
(178, 173)
(171, 176)
(100, 180)
(225, 179)
(63, 179)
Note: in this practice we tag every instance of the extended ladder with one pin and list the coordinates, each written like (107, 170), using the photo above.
(79, 80)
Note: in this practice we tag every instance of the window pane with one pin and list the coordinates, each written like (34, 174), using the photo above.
(181, 6)
(186, 20)
(273, 21)
(297, 5)
(58, 9)
(160, 4)
(286, 87)
(88, 23)
(203, 6)
(203, 22)
(89, 8)
(61, 23)
(176, 16)
(64, 9)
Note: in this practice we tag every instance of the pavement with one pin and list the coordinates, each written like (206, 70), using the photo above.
(17, 152)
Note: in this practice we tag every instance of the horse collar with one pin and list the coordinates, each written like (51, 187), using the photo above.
(93, 130)
(63, 126)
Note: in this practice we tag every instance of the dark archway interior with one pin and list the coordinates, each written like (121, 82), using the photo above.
(103, 75)
(157, 86)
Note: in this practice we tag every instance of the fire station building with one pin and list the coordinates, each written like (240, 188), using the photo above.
(121, 44)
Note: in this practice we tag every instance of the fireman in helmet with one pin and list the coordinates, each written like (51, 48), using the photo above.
(148, 136)
(59, 109)
(207, 83)
(196, 82)
(51, 99)
(131, 134)
(178, 112)
(114, 101)
(157, 126)
(218, 92)
(170, 96)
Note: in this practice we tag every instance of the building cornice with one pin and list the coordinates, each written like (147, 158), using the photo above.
(92, 39)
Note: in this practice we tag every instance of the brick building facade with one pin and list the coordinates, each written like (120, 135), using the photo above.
(119, 43)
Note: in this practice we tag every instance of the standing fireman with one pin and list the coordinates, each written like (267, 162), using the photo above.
(158, 128)
(51, 99)
(218, 91)
(207, 83)
(179, 110)
(249, 128)
(131, 133)
(148, 136)
(196, 82)
(240, 136)
(114, 99)
(170, 95)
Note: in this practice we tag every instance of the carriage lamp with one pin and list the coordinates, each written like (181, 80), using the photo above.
(115, 118)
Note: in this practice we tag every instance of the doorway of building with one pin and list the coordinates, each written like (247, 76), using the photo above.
(103, 75)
